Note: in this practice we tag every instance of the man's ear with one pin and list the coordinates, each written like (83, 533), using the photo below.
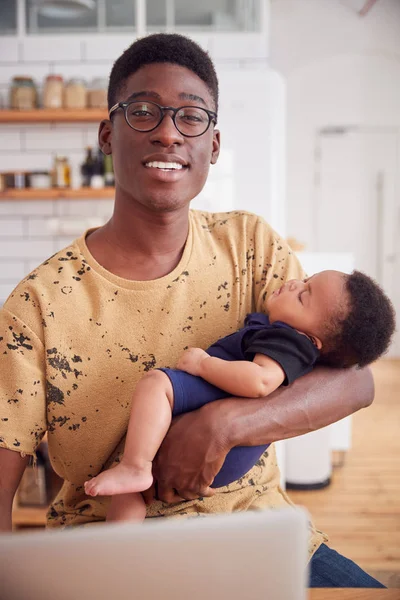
(216, 144)
(105, 136)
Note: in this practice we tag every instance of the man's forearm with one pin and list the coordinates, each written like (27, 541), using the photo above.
(320, 398)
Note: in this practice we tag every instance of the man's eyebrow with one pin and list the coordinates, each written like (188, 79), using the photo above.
(151, 94)
(193, 97)
(148, 93)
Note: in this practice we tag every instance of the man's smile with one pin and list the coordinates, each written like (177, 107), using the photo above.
(166, 167)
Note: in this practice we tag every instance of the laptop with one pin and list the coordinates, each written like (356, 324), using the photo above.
(259, 555)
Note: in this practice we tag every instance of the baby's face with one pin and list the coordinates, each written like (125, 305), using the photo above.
(309, 305)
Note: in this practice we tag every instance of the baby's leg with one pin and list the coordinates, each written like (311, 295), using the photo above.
(127, 507)
(149, 421)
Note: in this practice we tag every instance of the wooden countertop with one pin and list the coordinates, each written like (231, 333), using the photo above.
(353, 594)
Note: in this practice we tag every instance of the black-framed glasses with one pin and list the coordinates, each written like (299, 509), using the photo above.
(190, 121)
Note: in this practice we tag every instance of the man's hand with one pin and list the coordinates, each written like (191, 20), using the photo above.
(190, 456)
(191, 359)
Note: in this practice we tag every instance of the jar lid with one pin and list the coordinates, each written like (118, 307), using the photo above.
(22, 78)
(54, 78)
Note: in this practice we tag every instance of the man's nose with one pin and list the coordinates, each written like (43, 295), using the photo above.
(166, 133)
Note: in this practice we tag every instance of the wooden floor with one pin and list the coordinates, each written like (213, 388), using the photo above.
(360, 510)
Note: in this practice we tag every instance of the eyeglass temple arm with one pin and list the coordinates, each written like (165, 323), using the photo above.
(113, 109)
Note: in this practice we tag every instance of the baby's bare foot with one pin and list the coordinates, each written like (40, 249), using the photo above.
(122, 479)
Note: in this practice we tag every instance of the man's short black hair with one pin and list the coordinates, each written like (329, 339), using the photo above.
(163, 48)
(365, 333)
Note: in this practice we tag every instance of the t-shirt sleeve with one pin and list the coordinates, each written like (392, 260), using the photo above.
(294, 351)
(22, 386)
(274, 263)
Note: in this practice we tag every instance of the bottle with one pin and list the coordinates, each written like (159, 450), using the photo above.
(87, 168)
(97, 178)
(109, 178)
(62, 172)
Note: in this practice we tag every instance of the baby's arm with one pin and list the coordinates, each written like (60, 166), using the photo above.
(240, 378)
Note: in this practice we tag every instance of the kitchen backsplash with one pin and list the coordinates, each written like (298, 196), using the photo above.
(31, 231)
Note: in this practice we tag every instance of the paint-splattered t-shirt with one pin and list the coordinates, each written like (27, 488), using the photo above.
(75, 339)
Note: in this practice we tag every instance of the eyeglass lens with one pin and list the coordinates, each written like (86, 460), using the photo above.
(189, 120)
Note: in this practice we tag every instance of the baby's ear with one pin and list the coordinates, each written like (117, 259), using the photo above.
(316, 341)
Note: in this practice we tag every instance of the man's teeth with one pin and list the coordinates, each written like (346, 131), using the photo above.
(165, 166)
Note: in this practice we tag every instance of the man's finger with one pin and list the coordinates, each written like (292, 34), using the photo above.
(195, 494)
(168, 495)
(188, 494)
(208, 492)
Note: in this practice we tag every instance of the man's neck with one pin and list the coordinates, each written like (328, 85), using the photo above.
(141, 245)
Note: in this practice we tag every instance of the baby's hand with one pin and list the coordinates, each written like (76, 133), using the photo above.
(191, 359)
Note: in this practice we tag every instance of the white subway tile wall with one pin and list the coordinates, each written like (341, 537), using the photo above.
(30, 231)
(8, 49)
(12, 270)
(10, 138)
(61, 48)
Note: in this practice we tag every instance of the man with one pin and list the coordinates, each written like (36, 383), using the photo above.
(78, 333)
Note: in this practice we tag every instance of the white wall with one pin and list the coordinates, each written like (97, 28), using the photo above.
(342, 90)
(340, 69)
(249, 174)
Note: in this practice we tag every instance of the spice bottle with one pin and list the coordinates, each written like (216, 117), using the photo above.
(62, 172)
(97, 179)
(87, 168)
(109, 178)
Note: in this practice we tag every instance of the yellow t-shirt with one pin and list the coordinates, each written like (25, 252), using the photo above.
(75, 339)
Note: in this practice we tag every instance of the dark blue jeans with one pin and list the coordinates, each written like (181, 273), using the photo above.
(328, 568)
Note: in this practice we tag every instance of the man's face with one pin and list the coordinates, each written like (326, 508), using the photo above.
(134, 152)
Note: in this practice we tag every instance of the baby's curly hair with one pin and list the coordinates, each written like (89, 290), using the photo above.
(163, 48)
(364, 334)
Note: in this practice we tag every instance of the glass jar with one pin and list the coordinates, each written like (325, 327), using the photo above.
(97, 95)
(53, 92)
(23, 93)
(40, 180)
(75, 93)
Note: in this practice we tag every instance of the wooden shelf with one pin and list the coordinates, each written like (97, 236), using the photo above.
(29, 516)
(57, 194)
(61, 115)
